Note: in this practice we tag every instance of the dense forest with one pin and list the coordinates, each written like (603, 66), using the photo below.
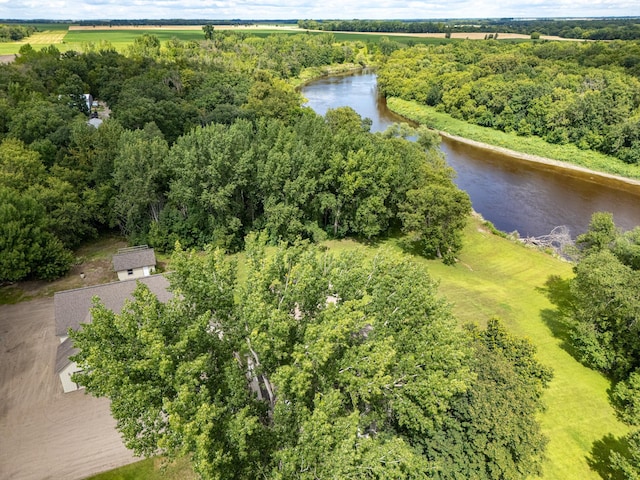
(582, 29)
(564, 92)
(205, 143)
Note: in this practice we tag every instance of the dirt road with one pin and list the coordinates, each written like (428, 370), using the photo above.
(44, 433)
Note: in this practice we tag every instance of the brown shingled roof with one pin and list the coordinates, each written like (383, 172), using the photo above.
(72, 306)
(135, 257)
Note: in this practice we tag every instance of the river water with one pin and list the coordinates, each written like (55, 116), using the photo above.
(513, 194)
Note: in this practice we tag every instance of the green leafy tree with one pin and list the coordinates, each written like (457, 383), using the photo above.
(208, 32)
(434, 217)
(607, 312)
(600, 235)
(140, 181)
(492, 430)
(628, 466)
(317, 366)
(27, 249)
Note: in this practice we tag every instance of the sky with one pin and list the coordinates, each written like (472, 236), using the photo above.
(311, 9)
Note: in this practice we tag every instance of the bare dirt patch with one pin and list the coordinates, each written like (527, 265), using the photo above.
(47, 434)
(92, 267)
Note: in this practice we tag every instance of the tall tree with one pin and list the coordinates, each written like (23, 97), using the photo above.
(140, 180)
(317, 366)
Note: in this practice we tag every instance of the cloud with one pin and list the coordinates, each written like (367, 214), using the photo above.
(294, 9)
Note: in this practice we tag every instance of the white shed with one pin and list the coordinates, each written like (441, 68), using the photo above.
(134, 262)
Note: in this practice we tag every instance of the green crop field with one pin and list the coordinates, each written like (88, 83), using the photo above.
(58, 34)
(121, 38)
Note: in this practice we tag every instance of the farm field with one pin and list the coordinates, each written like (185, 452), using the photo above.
(73, 37)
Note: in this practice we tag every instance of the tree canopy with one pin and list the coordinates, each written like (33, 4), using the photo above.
(563, 92)
(317, 365)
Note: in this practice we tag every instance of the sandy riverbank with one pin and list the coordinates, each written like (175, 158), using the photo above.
(569, 168)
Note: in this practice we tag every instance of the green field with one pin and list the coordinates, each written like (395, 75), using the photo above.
(120, 38)
(499, 277)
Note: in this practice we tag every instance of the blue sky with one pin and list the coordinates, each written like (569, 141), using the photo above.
(296, 9)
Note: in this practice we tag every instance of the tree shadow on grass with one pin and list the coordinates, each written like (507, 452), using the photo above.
(599, 459)
(557, 290)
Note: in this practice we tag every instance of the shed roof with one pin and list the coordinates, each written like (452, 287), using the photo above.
(72, 306)
(134, 257)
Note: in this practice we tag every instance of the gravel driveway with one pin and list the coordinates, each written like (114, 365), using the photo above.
(44, 433)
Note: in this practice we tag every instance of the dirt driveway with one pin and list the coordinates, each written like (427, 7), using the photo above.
(44, 433)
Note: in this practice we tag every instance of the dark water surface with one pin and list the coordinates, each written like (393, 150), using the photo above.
(513, 194)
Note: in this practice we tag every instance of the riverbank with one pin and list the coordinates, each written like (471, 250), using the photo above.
(588, 165)
(311, 74)
(570, 168)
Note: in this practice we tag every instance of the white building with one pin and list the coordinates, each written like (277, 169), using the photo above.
(134, 262)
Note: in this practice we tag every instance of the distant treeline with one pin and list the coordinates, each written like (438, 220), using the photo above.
(149, 22)
(589, 29)
(12, 33)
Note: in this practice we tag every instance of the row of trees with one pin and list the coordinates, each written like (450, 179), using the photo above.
(601, 307)
(13, 33)
(591, 29)
(316, 366)
(563, 92)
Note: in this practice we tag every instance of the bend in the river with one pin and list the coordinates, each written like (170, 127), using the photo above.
(512, 193)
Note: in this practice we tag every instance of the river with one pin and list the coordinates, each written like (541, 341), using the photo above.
(513, 194)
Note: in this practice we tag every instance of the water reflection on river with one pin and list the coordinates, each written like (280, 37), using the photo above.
(512, 194)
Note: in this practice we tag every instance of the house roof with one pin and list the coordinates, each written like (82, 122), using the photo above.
(65, 350)
(72, 306)
(134, 257)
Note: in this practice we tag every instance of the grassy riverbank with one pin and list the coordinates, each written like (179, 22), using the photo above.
(570, 154)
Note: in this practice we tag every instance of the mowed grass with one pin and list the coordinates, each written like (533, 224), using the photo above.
(499, 277)
(150, 469)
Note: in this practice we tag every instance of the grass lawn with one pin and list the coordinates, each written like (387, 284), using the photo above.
(498, 277)
(150, 469)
